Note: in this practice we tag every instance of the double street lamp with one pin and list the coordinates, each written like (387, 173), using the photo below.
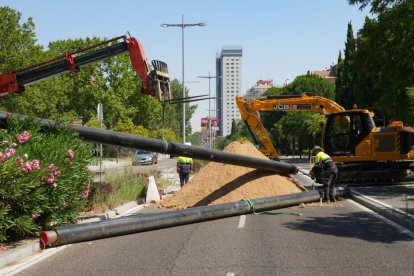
(183, 26)
(209, 77)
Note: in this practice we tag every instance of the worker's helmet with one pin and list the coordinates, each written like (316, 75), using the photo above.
(316, 149)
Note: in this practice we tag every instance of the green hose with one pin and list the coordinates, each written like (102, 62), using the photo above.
(251, 210)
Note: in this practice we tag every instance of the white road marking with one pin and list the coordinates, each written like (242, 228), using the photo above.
(242, 221)
(31, 260)
(384, 204)
(393, 224)
(230, 274)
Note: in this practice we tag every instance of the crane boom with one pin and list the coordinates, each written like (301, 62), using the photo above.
(155, 82)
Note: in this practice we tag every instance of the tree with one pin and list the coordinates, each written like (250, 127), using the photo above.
(196, 138)
(377, 6)
(382, 66)
(344, 88)
(311, 83)
(297, 128)
(17, 41)
(17, 47)
(304, 127)
(174, 112)
(220, 143)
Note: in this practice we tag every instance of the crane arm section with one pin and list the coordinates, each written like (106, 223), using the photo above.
(155, 82)
(249, 110)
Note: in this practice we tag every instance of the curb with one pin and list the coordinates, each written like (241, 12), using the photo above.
(20, 253)
(17, 254)
(397, 216)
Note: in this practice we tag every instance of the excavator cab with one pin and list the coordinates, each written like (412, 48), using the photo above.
(344, 131)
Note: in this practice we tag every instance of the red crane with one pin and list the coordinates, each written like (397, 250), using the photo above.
(154, 82)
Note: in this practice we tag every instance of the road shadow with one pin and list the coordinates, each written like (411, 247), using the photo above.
(231, 186)
(358, 225)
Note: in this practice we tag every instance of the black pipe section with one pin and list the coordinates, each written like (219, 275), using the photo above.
(140, 223)
(162, 146)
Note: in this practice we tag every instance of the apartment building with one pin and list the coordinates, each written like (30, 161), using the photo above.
(229, 67)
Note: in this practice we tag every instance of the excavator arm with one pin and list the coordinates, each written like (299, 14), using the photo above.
(155, 82)
(249, 110)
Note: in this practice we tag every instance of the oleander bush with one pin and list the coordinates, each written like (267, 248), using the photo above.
(44, 177)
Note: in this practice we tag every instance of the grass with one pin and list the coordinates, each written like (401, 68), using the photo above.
(117, 189)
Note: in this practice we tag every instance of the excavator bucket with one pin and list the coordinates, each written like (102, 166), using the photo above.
(160, 81)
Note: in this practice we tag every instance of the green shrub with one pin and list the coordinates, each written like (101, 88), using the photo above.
(44, 178)
(117, 189)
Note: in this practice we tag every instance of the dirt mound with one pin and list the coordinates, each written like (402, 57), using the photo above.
(221, 183)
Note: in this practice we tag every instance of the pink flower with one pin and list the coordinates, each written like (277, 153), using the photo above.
(85, 194)
(71, 154)
(27, 167)
(23, 138)
(19, 161)
(52, 167)
(3, 156)
(57, 173)
(35, 216)
(11, 151)
(55, 185)
(35, 164)
(50, 178)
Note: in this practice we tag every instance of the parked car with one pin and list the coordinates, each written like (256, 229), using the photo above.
(143, 157)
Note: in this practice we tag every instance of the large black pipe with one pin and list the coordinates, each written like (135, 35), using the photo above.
(162, 146)
(140, 223)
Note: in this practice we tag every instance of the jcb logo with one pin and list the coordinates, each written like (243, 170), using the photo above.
(281, 107)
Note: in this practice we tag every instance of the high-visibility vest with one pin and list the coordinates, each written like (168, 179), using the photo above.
(322, 157)
(184, 164)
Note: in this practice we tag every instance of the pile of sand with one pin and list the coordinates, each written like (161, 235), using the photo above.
(221, 183)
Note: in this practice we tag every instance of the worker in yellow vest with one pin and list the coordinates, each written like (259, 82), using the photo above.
(329, 173)
(184, 168)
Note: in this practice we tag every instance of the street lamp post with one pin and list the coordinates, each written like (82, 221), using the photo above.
(183, 26)
(209, 77)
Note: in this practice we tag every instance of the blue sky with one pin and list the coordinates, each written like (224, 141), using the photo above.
(281, 39)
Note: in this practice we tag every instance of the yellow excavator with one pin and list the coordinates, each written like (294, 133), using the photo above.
(364, 153)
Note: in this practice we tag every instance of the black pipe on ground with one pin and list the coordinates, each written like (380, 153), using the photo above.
(162, 146)
(140, 223)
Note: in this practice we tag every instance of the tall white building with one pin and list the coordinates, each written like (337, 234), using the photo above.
(229, 67)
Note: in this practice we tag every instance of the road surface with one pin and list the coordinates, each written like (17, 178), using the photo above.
(343, 238)
(337, 240)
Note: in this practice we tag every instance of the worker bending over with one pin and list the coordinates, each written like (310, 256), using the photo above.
(184, 168)
(328, 171)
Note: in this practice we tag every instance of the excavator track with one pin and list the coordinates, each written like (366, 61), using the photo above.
(375, 173)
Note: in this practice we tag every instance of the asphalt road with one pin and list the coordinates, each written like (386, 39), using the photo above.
(336, 240)
(340, 239)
